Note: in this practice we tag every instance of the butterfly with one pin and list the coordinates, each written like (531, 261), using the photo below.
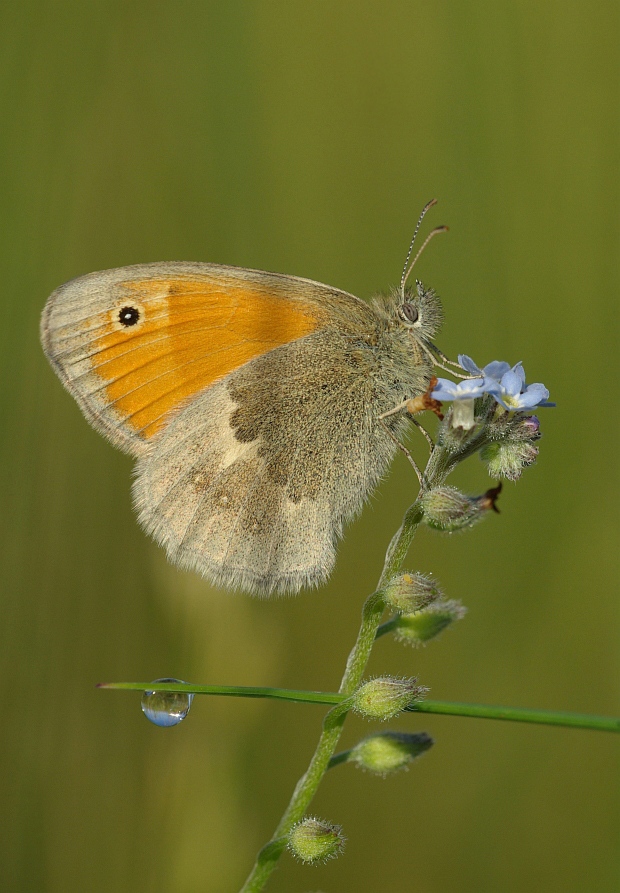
(259, 407)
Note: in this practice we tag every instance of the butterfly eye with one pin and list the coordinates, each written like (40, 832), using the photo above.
(128, 316)
(408, 313)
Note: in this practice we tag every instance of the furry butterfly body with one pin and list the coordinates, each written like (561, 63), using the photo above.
(252, 402)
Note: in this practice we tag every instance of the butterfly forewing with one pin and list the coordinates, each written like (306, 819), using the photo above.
(135, 344)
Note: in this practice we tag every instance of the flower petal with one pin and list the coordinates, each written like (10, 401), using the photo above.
(511, 382)
(464, 390)
(533, 396)
(468, 364)
(444, 389)
(475, 387)
(496, 369)
(539, 389)
(520, 371)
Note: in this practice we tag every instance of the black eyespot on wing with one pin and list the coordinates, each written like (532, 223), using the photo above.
(128, 316)
(408, 313)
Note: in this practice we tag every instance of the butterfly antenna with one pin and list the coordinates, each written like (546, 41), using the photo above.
(403, 278)
(432, 234)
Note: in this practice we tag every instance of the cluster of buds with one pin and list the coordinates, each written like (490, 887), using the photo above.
(489, 414)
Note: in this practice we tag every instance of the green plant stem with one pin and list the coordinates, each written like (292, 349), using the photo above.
(332, 725)
(339, 758)
(330, 698)
(388, 626)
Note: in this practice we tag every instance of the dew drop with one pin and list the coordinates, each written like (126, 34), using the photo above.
(166, 708)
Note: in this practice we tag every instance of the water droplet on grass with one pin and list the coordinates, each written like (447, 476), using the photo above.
(166, 708)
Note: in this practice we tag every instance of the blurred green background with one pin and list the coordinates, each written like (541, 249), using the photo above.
(305, 138)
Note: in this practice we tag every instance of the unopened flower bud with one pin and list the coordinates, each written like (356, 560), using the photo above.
(507, 427)
(526, 428)
(386, 752)
(507, 460)
(447, 509)
(385, 697)
(314, 841)
(417, 629)
(407, 593)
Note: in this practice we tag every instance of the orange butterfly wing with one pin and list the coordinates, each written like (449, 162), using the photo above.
(134, 344)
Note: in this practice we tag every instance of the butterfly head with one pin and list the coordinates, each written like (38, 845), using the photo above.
(418, 311)
(412, 314)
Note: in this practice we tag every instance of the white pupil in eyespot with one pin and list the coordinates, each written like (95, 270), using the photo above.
(129, 316)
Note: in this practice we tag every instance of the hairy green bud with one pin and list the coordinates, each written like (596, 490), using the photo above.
(314, 841)
(508, 459)
(386, 752)
(386, 696)
(525, 428)
(507, 426)
(407, 593)
(419, 628)
(447, 509)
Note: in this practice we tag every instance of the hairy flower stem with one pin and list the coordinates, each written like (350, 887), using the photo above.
(372, 613)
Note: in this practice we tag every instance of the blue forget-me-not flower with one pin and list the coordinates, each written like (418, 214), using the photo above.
(506, 384)
(513, 394)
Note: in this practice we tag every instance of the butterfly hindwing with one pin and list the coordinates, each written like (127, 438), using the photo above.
(251, 483)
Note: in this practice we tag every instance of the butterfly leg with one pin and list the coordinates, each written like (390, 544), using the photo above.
(428, 437)
(403, 449)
